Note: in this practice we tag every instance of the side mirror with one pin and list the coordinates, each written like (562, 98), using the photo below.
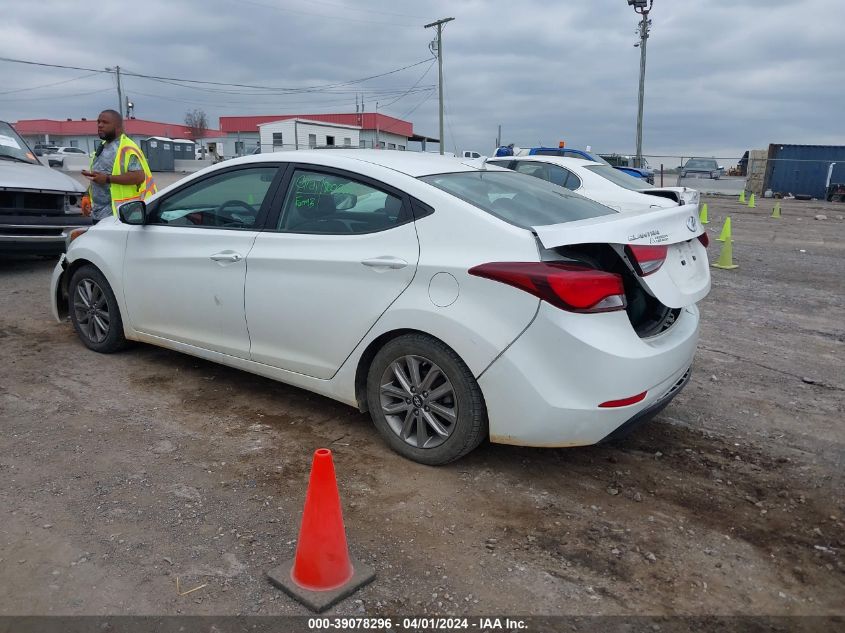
(344, 201)
(134, 212)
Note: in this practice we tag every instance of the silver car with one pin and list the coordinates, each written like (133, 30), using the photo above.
(39, 206)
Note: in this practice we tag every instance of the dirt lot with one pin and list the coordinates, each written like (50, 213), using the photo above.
(123, 473)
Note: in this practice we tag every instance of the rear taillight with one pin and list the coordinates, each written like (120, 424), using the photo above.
(704, 239)
(567, 286)
(646, 259)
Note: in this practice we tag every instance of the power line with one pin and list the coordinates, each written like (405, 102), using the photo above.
(409, 112)
(23, 61)
(80, 94)
(404, 94)
(55, 83)
(220, 83)
(250, 103)
(280, 89)
(270, 93)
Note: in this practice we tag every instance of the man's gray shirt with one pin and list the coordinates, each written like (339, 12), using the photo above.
(101, 194)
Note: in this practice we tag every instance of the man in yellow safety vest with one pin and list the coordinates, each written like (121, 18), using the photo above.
(118, 171)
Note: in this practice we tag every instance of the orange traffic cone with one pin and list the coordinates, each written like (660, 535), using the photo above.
(322, 573)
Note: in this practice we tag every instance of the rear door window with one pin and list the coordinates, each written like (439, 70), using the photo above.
(334, 204)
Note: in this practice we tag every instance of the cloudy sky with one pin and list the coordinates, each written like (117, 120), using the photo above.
(723, 75)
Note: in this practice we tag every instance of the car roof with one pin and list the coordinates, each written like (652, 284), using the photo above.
(559, 160)
(414, 164)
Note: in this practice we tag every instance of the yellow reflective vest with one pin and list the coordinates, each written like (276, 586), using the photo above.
(125, 193)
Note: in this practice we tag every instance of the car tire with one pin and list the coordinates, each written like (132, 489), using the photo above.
(443, 416)
(94, 311)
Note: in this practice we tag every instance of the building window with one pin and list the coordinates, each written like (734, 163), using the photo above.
(362, 143)
(330, 141)
(312, 140)
(391, 146)
(239, 148)
(402, 148)
(277, 140)
(347, 142)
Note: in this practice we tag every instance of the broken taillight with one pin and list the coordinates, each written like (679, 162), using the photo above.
(646, 259)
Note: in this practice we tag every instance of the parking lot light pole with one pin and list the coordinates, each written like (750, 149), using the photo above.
(642, 7)
(439, 24)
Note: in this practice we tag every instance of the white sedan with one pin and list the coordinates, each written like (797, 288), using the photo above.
(600, 182)
(453, 303)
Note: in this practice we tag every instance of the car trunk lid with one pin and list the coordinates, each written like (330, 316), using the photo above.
(660, 247)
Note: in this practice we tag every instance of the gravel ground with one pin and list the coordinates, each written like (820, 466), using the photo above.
(125, 473)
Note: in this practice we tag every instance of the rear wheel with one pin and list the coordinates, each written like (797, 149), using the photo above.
(94, 311)
(424, 400)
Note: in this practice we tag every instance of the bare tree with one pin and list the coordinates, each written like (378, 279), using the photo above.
(197, 122)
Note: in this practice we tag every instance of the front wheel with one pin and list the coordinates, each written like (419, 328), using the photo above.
(94, 311)
(424, 400)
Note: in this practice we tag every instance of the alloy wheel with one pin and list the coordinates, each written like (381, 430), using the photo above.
(91, 310)
(418, 401)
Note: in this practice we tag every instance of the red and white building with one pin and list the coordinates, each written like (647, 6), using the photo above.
(302, 131)
(82, 133)
(241, 135)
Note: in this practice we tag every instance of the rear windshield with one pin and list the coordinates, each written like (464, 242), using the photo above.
(619, 177)
(518, 199)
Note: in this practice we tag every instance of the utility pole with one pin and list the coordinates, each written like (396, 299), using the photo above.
(439, 24)
(642, 7)
(377, 144)
(116, 71)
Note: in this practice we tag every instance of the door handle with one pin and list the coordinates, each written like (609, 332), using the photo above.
(226, 257)
(394, 263)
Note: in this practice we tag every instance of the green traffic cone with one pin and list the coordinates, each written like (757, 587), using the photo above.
(725, 236)
(725, 260)
(751, 203)
(742, 196)
(776, 211)
(702, 216)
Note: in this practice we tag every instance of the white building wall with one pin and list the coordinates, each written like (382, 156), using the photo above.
(385, 139)
(240, 143)
(297, 134)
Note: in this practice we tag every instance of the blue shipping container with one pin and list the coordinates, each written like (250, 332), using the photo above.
(803, 169)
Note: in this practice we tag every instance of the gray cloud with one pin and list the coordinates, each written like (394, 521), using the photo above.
(723, 76)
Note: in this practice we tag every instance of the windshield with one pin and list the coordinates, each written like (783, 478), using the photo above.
(524, 202)
(13, 146)
(619, 177)
(700, 163)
